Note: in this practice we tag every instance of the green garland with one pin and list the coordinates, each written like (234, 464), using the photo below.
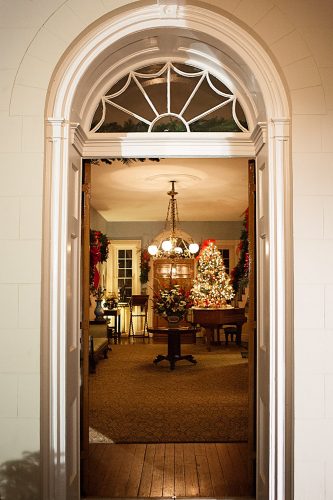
(125, 161)
(240, 273)
(204, 125)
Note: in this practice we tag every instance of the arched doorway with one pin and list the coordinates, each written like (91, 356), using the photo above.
(256, 78)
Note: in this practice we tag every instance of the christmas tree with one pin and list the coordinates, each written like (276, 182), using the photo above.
(212, 286)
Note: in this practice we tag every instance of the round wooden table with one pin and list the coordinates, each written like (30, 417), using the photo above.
(174, 345)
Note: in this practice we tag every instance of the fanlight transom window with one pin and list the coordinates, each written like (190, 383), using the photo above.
(169, 97)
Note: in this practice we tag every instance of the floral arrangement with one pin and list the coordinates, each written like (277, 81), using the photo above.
(98, 293)
(144, 266)
(172, 301)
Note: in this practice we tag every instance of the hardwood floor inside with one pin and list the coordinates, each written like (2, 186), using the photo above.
(216, 470)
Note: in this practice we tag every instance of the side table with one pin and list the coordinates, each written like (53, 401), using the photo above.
(113, 332)
(174, 345)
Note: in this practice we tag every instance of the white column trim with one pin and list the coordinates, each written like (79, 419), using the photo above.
(53, 352)
(230, 145)
(281, 307)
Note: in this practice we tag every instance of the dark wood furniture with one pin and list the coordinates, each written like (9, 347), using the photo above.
(174, 335)
(211, 319)
(115, 330)
(99, 343)
(141, 302)
(98, 347)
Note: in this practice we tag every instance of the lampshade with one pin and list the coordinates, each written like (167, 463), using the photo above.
(173, 242)
(193, 247)
(166, 245)
(152, 249)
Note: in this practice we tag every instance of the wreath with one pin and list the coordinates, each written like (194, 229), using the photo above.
(99, 252)
(144, 266)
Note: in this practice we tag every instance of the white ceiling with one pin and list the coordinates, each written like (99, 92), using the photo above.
(212, 189)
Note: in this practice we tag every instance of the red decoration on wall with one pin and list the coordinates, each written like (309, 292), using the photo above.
(98, 253)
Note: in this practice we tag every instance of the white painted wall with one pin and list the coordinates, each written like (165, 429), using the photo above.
(33, 36)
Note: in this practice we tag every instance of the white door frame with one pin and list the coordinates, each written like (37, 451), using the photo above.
(60, 134)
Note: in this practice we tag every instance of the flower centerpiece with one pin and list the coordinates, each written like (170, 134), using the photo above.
(172, 302)
(98, 293)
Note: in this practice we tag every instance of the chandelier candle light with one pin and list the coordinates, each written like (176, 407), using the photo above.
(174, 242)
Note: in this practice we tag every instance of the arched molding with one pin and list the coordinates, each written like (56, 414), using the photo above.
(192, 18)
(61, 113)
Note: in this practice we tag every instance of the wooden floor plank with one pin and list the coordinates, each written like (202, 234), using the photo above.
(120, 480)
(113, 462)
(233, 474)
(179, 470)
(96, 462)
(190, 468)
(241, 484)
(204, 477)
(169, 471)
(147, 471)
(134, 479)
(219, 483)
(158, 471)
(236, 459)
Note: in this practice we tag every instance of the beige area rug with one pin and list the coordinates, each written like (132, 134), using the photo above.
(132, 400)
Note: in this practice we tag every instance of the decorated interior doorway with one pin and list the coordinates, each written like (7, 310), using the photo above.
(234, 173)
(75, 92)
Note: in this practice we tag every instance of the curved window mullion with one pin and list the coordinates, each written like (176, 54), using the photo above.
(188, 75)
(169, 114)
(151, 75)
(192, 95)
(234, 115)
(217, 91)
(138, 117)
(103, 116)
(208, 111)
(145, 95)
(168, 90)
(119, 92)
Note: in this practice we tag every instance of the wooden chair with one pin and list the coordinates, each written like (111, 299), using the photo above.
(135, 302)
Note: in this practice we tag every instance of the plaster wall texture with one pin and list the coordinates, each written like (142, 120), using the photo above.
(299, 36)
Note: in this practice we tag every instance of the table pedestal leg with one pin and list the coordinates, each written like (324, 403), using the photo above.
(174, 352)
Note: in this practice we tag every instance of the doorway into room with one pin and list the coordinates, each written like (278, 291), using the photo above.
(101, 54)
(198, 465)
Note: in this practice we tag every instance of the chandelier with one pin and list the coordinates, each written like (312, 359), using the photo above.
(173, 242)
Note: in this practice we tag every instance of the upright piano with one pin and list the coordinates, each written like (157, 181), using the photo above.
(211, 319)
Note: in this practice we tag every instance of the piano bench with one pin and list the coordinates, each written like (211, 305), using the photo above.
(232, 331)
